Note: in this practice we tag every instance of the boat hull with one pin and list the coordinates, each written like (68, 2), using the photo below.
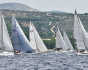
(83, 53)
(5, 53)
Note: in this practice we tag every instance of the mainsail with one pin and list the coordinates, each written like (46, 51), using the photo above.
(32, 37)
(60, 42)
(19, 40)
(78, 33)
(36, 40)
(5, 42)
(67, 41)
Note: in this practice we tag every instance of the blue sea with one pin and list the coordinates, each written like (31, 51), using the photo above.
(45, 61)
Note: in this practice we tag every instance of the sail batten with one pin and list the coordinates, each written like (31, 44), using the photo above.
(1, 31)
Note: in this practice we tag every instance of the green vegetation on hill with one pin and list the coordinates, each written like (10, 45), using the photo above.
(41, 21)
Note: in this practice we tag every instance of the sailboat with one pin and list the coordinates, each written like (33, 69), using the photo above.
(36, 41)
(80, 35)
(5, 42)
(67, 41)
(19, 40)
(60, 43)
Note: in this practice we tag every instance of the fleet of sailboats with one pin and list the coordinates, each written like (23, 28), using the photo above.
(20, 42)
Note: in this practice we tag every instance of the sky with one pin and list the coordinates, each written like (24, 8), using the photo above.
(55, 5)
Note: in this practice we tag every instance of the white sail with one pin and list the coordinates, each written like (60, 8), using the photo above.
(39, 43)
(85, 36)
(60, 42)
(67, 41)
(14, 36)
(19, 39)
(7, 45)
(78, 34)
(32, 37)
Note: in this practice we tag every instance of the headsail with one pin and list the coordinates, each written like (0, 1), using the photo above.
(19, 39)
(78, 34)
(67, 41)
(60, 42)
(85, 36)
(39, 43)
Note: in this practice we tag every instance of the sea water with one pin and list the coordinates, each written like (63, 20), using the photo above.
(45, 61)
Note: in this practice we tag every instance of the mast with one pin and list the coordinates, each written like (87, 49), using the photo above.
(1, 33)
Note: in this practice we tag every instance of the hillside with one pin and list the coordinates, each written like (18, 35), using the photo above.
(16, 6)
(45, 23)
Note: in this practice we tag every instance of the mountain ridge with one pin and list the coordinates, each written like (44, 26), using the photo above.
(16, 6)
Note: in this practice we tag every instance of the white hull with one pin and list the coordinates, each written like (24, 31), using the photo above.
(83, 53)
(5, 53)
(36, 51)
(65, 51)
(60, 51)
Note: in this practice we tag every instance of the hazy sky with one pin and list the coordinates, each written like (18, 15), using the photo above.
(57, 5)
